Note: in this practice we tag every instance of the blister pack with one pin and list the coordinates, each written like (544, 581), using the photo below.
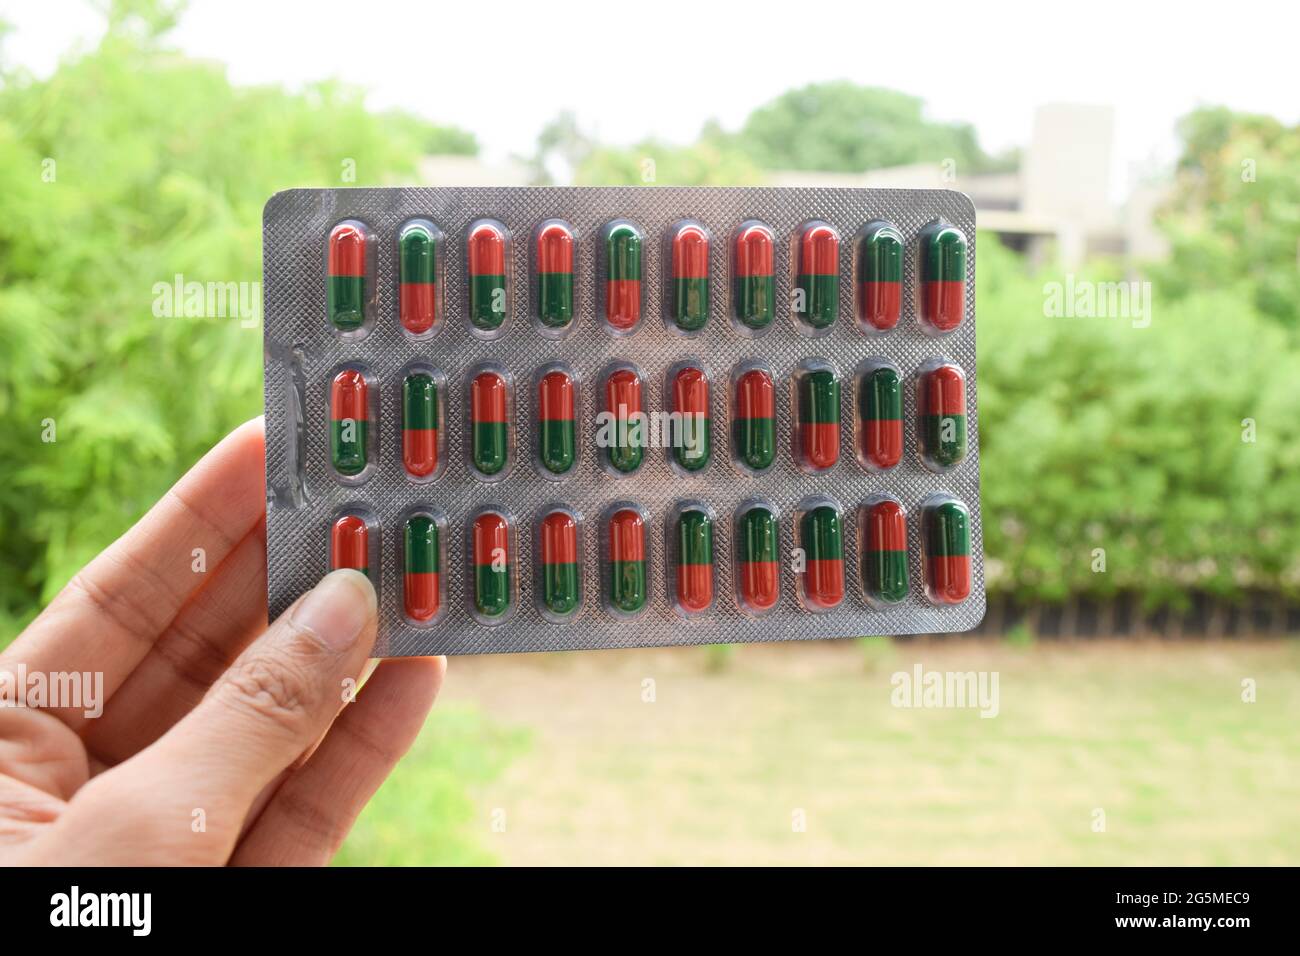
(552, 418)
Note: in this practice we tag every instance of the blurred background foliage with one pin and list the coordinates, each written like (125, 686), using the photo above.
(1094, 433)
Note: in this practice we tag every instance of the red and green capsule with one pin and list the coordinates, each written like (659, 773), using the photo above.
(880, 276)
(419, 424)
(818, 276)
(557, 436)
(421, 583)
(559, 565)
(818, 432)
(821, 536)
(754, 420)
(345, 291)
(758, 569)
(417, 275)
(943, 276)
(492, 562)
(486, 246)
(689, 295)
(753, 264)
(555, 246)
(350, 544)
(623, 397)
(623, 249)
(349, 422)
(489, 403)
(942, 416)
(627, 561)
(880, 418)
(946, 534)
(884, 552)
(692, 447)
(694, 585)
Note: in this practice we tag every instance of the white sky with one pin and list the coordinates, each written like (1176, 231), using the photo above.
(662, 67)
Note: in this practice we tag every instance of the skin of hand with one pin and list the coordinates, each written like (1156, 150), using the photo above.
(220, 740)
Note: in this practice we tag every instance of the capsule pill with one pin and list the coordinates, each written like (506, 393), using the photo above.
(421, 584)
(692, 445)
(623, 250)
(627, 561)
(943, 276)
(555, 248)
(492, 561)
(754, 420)
(880, 414)
(350, 544)
(880, 277)
(419, 424)
(753, 264)
(694, 560)
(349, 422)
(345, 292)
(818, 427)
(822, 539)
(941, 410)
(689, 296)
(758, 569)
(884, 552)
(946, 533)
(489, 423)
(818, 281)
(559, 562)
(486, 246)
(417, 277)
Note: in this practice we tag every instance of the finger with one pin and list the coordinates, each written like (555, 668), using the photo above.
(214, 626)
(108, 616)
(41, 751)
(273, 702)
(311, 813)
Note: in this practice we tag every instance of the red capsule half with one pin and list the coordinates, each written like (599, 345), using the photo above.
(350, 544)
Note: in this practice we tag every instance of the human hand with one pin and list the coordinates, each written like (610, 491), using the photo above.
(218, 742)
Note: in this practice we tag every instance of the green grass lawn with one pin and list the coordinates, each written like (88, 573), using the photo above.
(560, 759)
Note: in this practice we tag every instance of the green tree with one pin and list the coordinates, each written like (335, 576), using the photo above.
(1233, 218)
(127, 166)
(843, 127)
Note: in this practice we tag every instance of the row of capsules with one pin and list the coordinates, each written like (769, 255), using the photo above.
(623, 428)
(818, 560)
(352, 288)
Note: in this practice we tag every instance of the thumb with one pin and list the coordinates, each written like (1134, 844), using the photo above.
(259, 717)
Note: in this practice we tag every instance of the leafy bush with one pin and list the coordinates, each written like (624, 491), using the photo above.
(1097, 434)
(128, 166)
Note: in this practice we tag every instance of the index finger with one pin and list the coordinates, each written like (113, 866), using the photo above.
(110, 613)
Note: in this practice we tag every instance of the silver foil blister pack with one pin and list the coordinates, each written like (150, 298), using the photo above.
(393, 348)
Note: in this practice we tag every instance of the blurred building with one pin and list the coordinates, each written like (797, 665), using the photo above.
(447, 170)
(1057, 204)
